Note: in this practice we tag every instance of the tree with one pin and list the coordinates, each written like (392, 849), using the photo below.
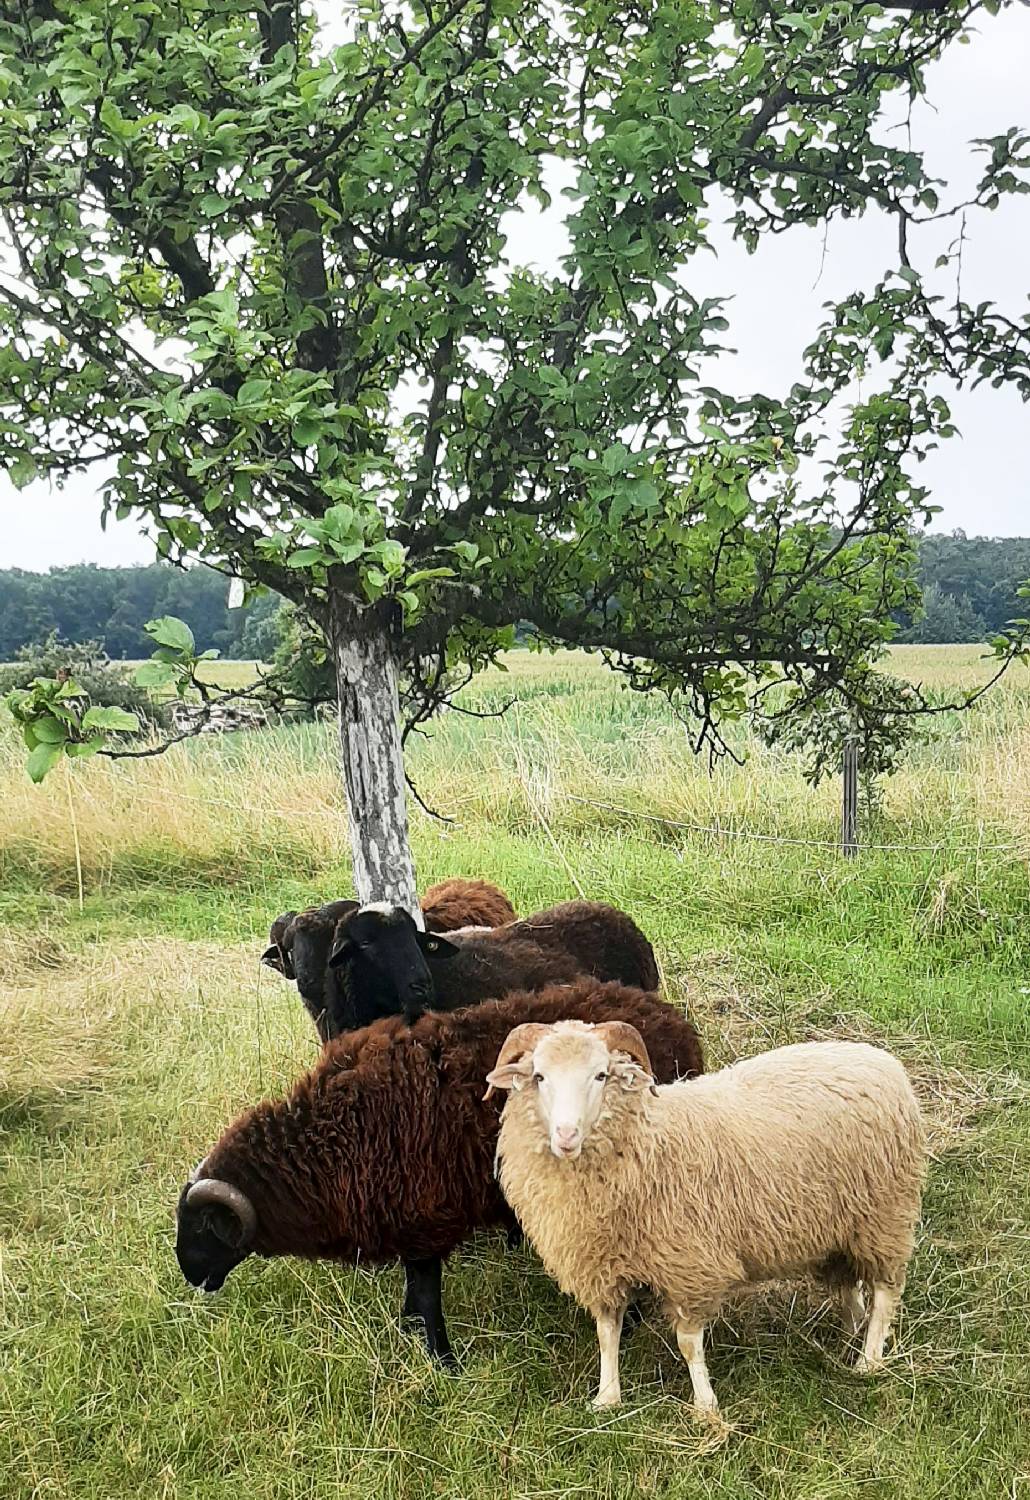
(265, 280)
(945, 620)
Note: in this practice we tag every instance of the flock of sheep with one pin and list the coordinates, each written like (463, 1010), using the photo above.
(623, 1162)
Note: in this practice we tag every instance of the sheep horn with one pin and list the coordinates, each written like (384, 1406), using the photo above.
(212, 1190)
(516, 1044)
(620, 1036)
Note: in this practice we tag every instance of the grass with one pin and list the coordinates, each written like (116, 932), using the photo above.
(135, 1024)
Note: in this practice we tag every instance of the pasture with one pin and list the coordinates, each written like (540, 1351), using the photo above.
(135, 1021)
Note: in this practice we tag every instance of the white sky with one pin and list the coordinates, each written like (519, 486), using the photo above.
(981, 480)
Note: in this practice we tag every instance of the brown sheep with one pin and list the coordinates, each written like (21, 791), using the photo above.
(451, 904)
(385, 1148)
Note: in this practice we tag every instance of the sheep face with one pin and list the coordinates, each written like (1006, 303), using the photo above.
(385, 943)
(569, 1067)
(277, 955)
(214, 1225)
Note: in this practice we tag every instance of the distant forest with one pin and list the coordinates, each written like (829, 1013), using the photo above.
(969, 586)
(111, 605)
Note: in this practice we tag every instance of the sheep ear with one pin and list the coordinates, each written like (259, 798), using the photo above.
(342, 950)
(273, 957)
(631, 1075)
(432, 942)
(508, 1076)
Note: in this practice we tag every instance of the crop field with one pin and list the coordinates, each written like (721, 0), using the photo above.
(136, 1021)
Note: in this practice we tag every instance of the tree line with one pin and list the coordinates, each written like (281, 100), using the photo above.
(970, 587)
(970, 592)
(111, 606)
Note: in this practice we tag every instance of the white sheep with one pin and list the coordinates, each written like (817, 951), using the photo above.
(806, 1159)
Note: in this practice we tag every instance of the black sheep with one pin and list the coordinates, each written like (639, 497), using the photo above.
(382, 962)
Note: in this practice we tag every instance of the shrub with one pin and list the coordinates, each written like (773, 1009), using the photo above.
(105, 684)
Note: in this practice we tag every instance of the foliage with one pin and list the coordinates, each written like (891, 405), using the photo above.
(262, 628)
(946, 619)
(981, 575)
(112, 605)
(102, 682)
(301, 660)
(237, 249)
(819, 728)
(57, 719)
(58, 715)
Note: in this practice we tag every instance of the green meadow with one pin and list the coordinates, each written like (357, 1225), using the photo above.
(136, 1021)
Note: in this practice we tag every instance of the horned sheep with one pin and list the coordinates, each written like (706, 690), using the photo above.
(808, 1158)
(385, 1148)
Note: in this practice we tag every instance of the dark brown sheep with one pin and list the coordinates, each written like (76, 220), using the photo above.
(385, 1148)
(451, 904)
(598, 939)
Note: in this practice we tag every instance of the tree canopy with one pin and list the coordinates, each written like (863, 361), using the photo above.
(264, 280)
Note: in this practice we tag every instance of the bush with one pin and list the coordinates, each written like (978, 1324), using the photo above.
(301, 660)
(107, 685)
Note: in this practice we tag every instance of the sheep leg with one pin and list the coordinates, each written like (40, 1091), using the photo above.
(854, 1308)
(609, 1332)
(690, 1336)
(423, 1303)
(885, 1304)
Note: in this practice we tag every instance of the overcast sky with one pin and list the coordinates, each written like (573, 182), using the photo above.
(981, 480)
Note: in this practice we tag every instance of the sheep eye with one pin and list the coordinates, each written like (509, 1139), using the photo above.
(432, 947)
(600, 1077)
(538, 1078)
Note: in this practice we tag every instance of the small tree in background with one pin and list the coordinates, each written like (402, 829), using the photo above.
(945, 620)
(235, 252)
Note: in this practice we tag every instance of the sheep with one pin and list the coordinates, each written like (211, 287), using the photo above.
(300, 943)
(386, 965)
(385, 1148)
(453, 904)
(807, 1158)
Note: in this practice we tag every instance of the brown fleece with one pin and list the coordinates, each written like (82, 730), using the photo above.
(386, 1148)
(455, 903)
(806, 1158)
(597, 938)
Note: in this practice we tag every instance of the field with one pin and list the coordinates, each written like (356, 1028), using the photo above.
(135, 1021)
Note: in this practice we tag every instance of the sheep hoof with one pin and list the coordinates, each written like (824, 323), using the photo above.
(600, 1402)
(866, 1366)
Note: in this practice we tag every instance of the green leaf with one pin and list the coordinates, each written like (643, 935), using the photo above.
(171, 632)
(614, 459)
(49, 730)
(305, 556)
(116, 719)
(88, 747)
(42, 760)
(155, 674)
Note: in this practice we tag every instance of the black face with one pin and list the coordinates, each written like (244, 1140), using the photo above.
(206, 1243)
(390, 944)
(276, 955)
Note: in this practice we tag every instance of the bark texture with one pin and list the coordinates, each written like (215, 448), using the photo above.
(371, 756)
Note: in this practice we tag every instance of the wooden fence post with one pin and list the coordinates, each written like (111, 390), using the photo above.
(849, 822)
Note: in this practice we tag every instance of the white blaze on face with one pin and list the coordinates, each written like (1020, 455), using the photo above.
(570, 1071)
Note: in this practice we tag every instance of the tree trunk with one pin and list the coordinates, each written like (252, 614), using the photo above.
(371, 755)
